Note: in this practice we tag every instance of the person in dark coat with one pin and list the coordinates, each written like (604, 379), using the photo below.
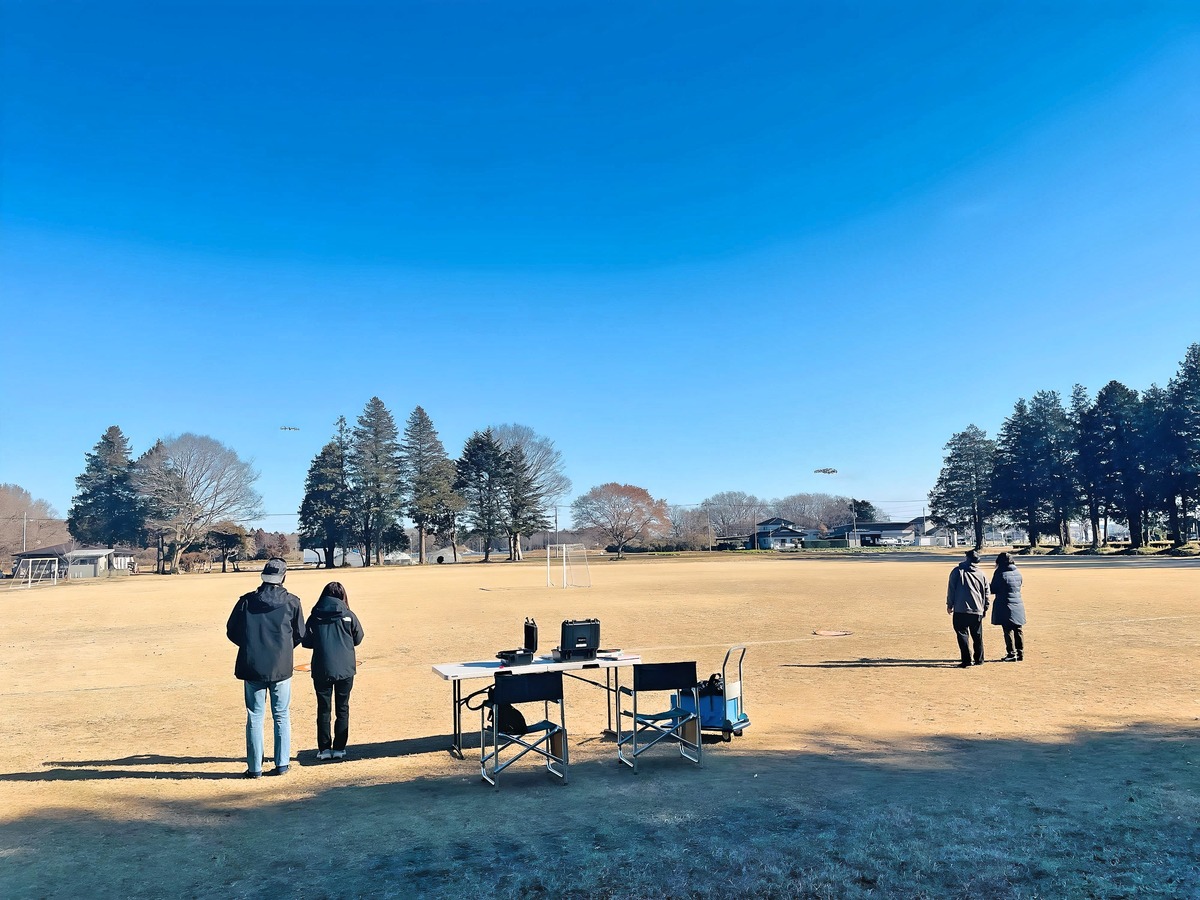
(967, 603)
(267, 624)
(1008, 610)
(332, 632)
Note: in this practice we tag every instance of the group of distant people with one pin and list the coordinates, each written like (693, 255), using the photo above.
(968, 597)
(267, 624)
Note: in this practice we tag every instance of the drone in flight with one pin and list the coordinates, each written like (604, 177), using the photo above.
(288, 428)
(825, 471)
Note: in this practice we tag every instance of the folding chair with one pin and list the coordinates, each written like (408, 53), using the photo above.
(546, 738)
(675, 725)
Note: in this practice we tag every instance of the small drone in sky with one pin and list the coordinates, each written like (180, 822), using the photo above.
(825, 471)
(288, 428)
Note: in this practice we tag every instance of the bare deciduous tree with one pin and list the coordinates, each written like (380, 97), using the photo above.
(34, 520)
(192, 482)
(625, 513)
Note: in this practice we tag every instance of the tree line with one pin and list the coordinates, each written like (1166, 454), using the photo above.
(1122, 455)
(369, 477)
(185, 491)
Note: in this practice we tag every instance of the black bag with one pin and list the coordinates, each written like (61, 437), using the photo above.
(511, 720)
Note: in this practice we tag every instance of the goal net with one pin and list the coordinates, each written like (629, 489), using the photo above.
(567, 566)
(39, 570)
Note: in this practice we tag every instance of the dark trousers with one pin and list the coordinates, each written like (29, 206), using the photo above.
(1014, 640)
(969, 625)
(326, 693)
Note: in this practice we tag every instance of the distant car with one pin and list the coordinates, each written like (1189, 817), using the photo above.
(890, 542)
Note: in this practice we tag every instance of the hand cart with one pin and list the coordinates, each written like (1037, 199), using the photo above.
(721, 701)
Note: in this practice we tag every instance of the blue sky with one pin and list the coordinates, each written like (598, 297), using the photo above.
(701, 246)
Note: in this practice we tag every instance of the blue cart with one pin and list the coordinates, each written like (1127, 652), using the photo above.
(721, 701)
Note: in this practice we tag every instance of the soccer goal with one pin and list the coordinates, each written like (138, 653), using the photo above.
(567, 566)
(39, 570)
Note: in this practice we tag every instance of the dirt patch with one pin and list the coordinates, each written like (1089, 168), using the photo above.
(873, 765)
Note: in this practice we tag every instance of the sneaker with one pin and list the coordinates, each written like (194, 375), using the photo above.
(339, 754)
(325, 754)
(1010, 658)
(279, 770)
(249, 774)
(964, 665)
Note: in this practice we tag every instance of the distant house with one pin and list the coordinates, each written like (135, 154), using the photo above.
(779, 534)
(878, 534)
(82, 562)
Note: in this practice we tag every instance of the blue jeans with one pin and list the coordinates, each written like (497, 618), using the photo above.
(256, 708)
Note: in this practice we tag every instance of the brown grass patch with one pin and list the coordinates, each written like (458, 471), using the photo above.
(872, 768)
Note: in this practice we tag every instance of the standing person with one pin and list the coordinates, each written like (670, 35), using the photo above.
(967, 603)
(333, 631)
(267, 624)
(1009, 609)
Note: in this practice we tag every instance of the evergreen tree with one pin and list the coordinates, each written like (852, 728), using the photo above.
(1119, 422)
(1184, 400)
(428, 473)
(326, 520)
(1014, 476)
(961, 494)
(107, 509)
(482, 477)
(1088, 469)
(524, 503)
(446, 508)
(375, 479)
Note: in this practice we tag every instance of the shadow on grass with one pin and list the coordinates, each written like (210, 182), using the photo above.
(1101, 813)
(878, 663)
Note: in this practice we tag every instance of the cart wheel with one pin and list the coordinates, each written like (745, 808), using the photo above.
(727, 736)
(738, 732)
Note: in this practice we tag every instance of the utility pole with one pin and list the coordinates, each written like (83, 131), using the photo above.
(24, 522)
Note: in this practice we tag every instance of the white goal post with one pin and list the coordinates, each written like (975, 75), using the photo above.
(35, 570)
(567, 566)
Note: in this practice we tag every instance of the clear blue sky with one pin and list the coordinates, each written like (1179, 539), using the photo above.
(702, 246)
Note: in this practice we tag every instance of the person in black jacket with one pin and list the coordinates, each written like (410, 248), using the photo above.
(267, 624)
(1009, 608)
(333, 631)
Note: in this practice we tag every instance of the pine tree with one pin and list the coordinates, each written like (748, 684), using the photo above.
(107, 510)
(325, 512)
(427, 472)
(960, 496)
(482, 478)
(523, 502)
(1184, 398)
(375, 480)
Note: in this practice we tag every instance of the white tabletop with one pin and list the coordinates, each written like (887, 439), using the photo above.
(489, 667)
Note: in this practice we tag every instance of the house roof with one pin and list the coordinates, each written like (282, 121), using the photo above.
(776, 522)
(68, 548)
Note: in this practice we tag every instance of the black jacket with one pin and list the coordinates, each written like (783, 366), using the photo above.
(1009, 608)
(265, 624)
(333, 631)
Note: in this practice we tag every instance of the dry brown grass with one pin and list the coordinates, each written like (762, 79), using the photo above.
(872, 768)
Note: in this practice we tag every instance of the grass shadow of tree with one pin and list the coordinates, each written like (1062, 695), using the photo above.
(1101, 813)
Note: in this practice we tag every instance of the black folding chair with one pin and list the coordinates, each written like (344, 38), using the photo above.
(546, 738)
(675, 725)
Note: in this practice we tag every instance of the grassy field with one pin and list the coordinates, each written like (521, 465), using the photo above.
(873, 766)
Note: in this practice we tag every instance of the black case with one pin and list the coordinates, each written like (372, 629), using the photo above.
(580, 640)
(522, 656)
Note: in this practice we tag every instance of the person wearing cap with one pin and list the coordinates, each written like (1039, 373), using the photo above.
(967, 604)
(267, 624)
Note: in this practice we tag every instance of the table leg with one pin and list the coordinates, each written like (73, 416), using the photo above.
(456, 702)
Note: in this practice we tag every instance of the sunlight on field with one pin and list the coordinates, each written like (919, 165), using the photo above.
(1074, 772)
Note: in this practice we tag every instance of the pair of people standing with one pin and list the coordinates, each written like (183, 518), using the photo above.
(967, 599)
(267, 624)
